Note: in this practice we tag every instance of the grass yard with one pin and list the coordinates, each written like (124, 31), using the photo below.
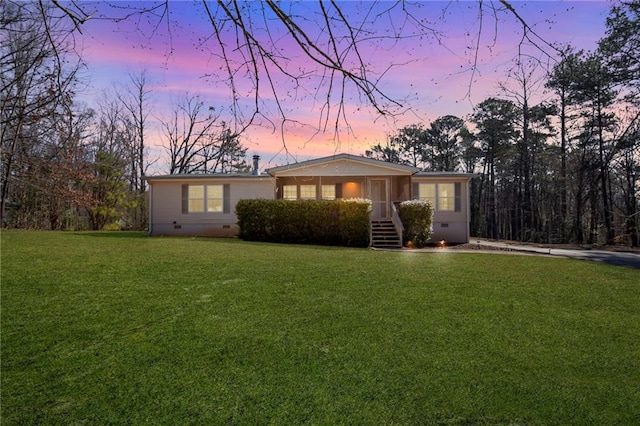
(119, 328)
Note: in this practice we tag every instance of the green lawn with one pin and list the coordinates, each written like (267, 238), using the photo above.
(115, 328)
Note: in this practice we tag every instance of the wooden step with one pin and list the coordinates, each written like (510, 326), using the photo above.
(384, 235)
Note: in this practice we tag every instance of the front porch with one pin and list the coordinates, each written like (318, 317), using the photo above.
(383, 191)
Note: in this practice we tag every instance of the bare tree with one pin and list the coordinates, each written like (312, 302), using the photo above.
(226, 155)
(273, 54)
(38, 73)
(116, 198)
(196, 145)
(136, 100)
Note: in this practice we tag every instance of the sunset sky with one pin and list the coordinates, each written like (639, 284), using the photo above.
(431, 75)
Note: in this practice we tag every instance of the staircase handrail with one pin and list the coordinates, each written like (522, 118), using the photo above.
(395, 218)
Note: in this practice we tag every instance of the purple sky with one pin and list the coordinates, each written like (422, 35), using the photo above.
(433, 80)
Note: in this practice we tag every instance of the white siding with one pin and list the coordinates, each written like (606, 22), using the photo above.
(452, 226)
(166, 206)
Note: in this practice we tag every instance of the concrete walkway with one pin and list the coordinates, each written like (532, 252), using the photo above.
(617, 258)
(631, 260)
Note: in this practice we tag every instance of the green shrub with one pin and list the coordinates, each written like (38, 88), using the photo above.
(354, 222)
(417, 219)
(114, 226)
(335, 222)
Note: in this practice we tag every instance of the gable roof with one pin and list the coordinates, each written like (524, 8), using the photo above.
(437, 175)
(342, 165)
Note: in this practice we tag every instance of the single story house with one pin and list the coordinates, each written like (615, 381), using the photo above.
(204, 205)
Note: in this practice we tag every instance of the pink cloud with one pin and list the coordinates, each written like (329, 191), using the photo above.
(433, 80)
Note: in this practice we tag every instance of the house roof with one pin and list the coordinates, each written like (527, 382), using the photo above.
(202, 176)
(342, 165)
(425, 174)
(334, 165)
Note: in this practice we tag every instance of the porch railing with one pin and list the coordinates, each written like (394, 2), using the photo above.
(395, 218)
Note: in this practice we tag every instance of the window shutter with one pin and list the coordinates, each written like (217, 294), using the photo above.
(185, 199)
(458, 196)
(226, 198)
(338, 190)
(415, 190)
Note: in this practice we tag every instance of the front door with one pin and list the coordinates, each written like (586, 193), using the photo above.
(379, 197)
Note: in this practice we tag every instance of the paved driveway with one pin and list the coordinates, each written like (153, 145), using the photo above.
(631, 260)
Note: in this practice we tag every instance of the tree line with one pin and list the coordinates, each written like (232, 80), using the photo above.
(66, 165)
(562, 170)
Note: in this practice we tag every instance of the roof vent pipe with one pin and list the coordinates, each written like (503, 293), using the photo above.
(256, 161)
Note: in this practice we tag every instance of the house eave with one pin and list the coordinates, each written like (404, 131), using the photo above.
(446, 175)
(399, 169)
(213, 176)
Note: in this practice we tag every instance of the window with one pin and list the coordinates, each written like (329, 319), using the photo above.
(442, 196)
(307, 192)
(215, 198)
(446, 196)
(427, 192)
(196, 198)
(303, 192)
(206, 198)
(289, 192)
(328, 192)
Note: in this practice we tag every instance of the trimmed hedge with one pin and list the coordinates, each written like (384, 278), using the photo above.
(326, 222)
(417, 219)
